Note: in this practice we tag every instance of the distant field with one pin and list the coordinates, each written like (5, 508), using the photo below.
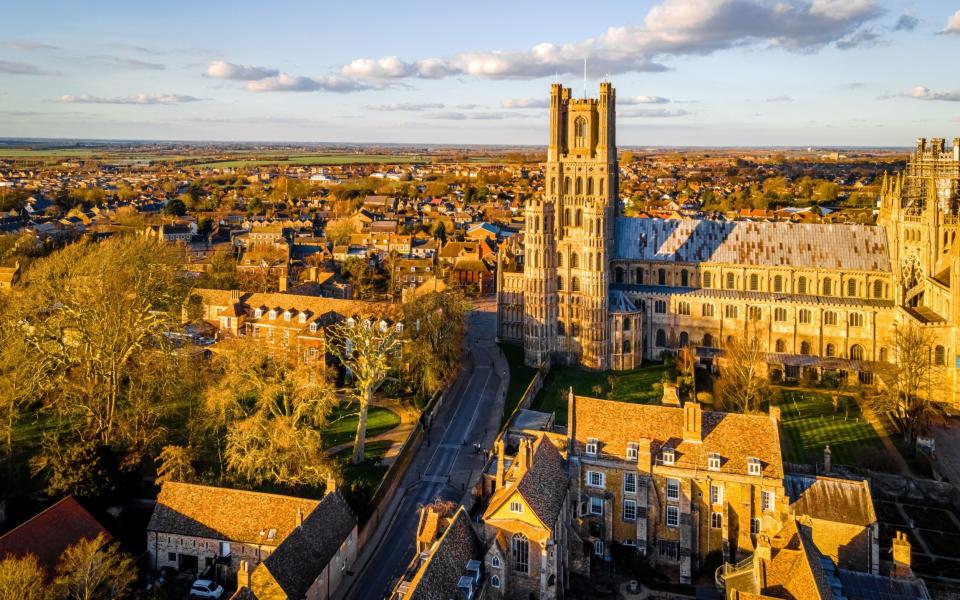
(314, 159)
(61, 152)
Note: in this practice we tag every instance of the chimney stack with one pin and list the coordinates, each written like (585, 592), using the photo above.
(299, 518)
(900, 547)
(571, 421)
(282, 286)
(243, 575)
(235, 296)
(499, 463)
(522, 464)
(775, 414)
(826, 459)
(331, 484)
(692, 422)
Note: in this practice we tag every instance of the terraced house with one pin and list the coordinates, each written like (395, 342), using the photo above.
(593, 288)
(688, 488)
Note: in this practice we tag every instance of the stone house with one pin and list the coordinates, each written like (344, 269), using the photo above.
(684, 486)
(194, 527)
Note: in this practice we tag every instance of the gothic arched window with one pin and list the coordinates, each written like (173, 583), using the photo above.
(566, 185)
(661, 339)
(520, 546)
(780, 346)
(731, 281)
(575, 284)
(559, 283)
(802, 285)
(804, 348)
(707, 280)
(878, 289)
(553, 185)
(856, 352)
(852, 288)
(574, 260)
(778, 284)
(639, 275)
(579, 186)
(939, 356)
(580, 132)
(618, 275)
(707, 340)
(589, 185)
(579, 219)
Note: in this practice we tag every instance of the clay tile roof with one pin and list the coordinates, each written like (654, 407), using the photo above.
(544, 485)
(735, 437)
(438, 576)
(50, 532)
(795, 569)
(299, 560)
(227, 514)
(831, 499)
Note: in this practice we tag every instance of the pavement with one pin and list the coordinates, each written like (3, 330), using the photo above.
(445, 466)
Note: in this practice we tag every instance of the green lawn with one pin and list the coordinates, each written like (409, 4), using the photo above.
(361, 481)
(520, 377)
(810, 423)
(343, 423)
(636, 386)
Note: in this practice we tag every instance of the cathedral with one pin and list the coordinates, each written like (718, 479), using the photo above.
(590, 287)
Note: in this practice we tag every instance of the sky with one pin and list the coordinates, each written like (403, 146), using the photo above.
(687, 72)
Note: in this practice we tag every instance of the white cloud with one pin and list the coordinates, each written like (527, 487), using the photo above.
(140, 99)
(467, 106)
(953, 24)
(475, 116)
(12, 67)
(923, 93)
(672, 28)
(779, 99)
(525, 103)
(642, 100)
(128, 63)
(28, 45)
(652, 113)
(295, 83)
(404, 106)
(220, 69)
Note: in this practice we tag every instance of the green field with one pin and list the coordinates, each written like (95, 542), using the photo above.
(41, 153)
(636, 386)
(314, 159)
(810, 423)
(520, 377)
(343, 424)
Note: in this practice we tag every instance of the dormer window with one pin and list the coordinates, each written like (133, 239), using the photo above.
(632, 451)
(287, 315)
(713, 462)
(753, 466)
(669, 456)
(258, 313)
(273, 315)
(313, 327)
(592, 445)
(303, 317)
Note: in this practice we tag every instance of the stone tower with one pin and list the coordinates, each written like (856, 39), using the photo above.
(569, 234)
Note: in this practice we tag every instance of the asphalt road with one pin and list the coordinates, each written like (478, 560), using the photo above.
(443, 469)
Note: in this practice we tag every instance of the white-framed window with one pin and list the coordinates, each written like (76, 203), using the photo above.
(592, 445)
(495, 581)
(673, 489)
(753, 466)
(287, 315)
(596, 505)
(258, 313)
(520, 547)
(598, 547)
(596, 479)
(673, 516)
(629, 542)
(716, 494)
(313, 327)
(716, 520)
(632, 451)
(273, 315)
(669, 456)
(630, 483)
(766, 500)
(754, 526)
(629, 510)
(713, 461)
(302, 317)
(495, 562)
(516, 507)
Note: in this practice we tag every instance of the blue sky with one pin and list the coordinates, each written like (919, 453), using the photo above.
(687, 72)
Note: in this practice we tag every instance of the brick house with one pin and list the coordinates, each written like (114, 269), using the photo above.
(682, 485)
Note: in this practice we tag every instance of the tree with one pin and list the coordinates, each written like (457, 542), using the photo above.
(271, 407)
(440, 232)
(743, 384)
(21, 578)
(436, 327)
(361, 275)
(175, 207)
(175, 464)
(912, 383)
(339, 232)
(368, 350)
(94, 569)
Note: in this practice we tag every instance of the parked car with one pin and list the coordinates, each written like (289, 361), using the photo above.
(204, 588)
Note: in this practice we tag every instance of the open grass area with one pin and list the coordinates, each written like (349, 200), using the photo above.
(636, 386)
(41, 152)
(811, 422)
(313, 159)
(520, 377)
(343, 423)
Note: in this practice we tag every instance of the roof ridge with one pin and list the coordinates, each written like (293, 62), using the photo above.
(238, 490)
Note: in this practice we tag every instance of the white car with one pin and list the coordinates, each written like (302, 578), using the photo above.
(204, 588)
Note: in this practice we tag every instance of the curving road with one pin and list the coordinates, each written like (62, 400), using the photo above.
(444, 468)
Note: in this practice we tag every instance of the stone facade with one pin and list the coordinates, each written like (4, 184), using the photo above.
(593, 288)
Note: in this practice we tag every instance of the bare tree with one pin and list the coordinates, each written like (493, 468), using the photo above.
(912, 383)
(368, 350)
(94, 569)
(175, 464)
(743, 384)
(21, 578)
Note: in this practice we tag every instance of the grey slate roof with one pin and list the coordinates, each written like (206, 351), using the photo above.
(298, 561)
(544, 485)
(764, 243)
(438, 577)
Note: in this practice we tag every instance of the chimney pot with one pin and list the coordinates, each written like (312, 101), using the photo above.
(692, 422)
